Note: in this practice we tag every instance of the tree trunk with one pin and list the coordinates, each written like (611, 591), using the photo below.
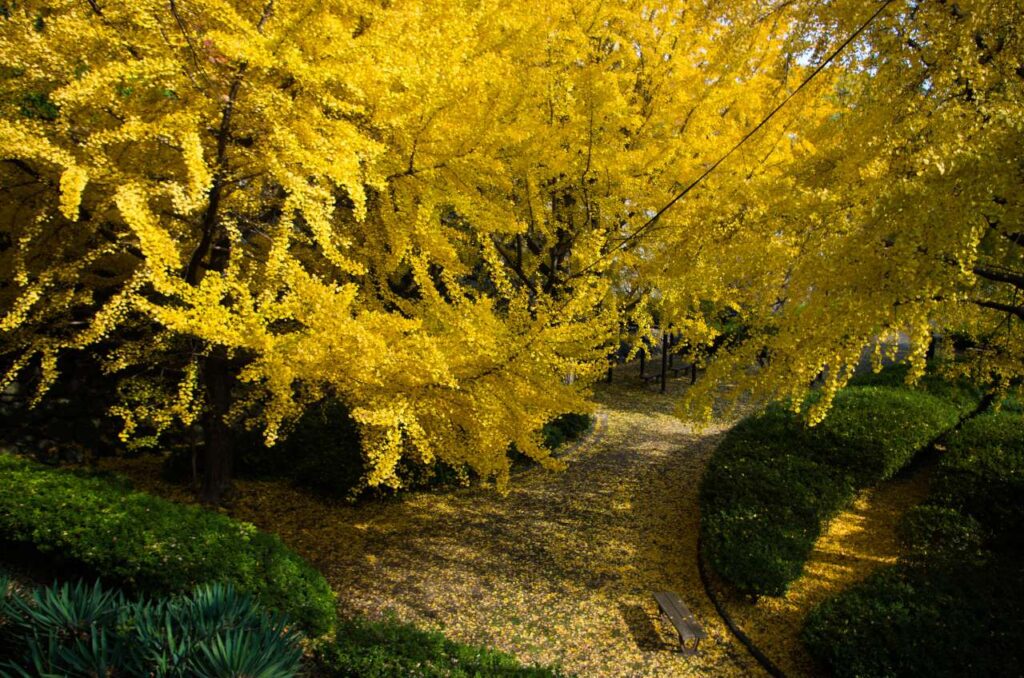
(218, 453)
(664, 360)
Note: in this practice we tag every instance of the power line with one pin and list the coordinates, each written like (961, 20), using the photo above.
(679, 196)
(529, 341)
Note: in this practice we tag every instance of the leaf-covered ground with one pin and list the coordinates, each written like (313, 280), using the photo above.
(559, 571)
(853, 545)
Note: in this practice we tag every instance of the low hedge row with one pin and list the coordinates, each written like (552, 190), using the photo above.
(910, 620)
(155, 546)
(960, 392)
(384, 648)
(931, 535)
(982, 474)
(147, 545)
(773, 481)
(954, 605)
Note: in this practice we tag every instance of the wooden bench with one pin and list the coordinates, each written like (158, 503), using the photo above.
(675, 611)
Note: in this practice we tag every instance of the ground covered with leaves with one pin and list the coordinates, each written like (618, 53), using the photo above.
(559, 571)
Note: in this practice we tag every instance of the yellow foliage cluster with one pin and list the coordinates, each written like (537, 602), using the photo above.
(425, 208)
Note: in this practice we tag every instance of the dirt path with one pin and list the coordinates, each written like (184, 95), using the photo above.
(559, 571)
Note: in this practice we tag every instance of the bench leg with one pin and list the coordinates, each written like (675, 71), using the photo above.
(683, 647)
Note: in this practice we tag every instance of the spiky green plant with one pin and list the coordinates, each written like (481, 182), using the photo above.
(77, 629)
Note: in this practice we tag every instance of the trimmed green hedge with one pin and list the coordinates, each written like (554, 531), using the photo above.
(960, 392)
(386, 648)
(934, 534)
(773, 481)
(154, 545)
(874, 431)
(982, 474)
(954, 606)
(932, 622)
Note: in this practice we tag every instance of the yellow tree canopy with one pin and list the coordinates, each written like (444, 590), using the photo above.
(428, 209)
(900, 211)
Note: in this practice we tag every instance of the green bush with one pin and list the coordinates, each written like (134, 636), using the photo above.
(78, 630)
(982, 473)
(773, 481)
(934, 622)
(959, 392)
(322, 452)
(874, 431)
(565, 428)
(381, 649)
(154, 545)
(1013, 401)
(935, 534)
(761, 517)
(955, 604)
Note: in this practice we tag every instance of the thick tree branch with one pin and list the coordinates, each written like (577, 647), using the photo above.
(210, 216)
(515, 266)
(999, 306)
(995, 275)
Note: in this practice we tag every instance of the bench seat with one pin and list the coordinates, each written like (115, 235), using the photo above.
(675, 611)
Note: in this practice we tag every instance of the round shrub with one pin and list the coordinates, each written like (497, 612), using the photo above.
(961, 393)
(909, 621)
(874, 431)
(935, 533)
(982, 473)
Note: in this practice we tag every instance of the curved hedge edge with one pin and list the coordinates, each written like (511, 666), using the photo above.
(48, 518)
(959, 417)
(594, 434)
(765, 662)
(761, 658)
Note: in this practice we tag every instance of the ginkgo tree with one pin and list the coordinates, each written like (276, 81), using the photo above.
(433, 210)
(898, 212)
(246, 207)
